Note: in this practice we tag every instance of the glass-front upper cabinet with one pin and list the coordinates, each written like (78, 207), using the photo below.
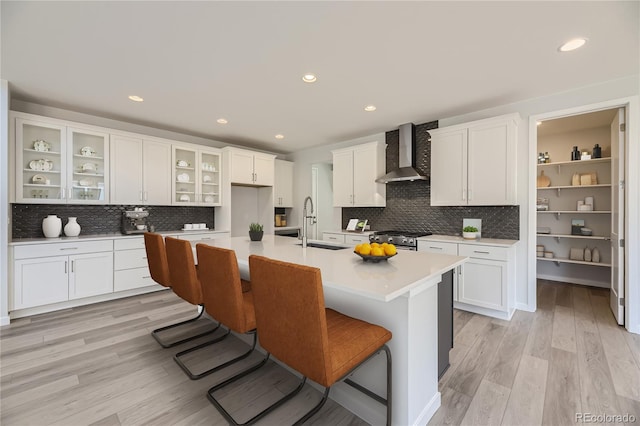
(88, 174)
(196, 177)
(40, 162)
(60, 164)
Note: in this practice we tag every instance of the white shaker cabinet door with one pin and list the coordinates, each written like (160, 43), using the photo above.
(491, 177)
(484, 283)
(242, 167)
(126, 170)
(263, 169)
(343, 179)
(449, 168)
(90, 274)
(283, 184)
(364, 176)
(40, 281)
(156, 168)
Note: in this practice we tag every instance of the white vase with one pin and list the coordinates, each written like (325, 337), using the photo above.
(72, 228)
(52, 226)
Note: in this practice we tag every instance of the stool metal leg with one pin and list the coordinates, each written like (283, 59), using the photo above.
(155, 332)
(177, 357)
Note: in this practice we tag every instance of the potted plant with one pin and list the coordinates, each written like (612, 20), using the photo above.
(469, 232)
(255, 232)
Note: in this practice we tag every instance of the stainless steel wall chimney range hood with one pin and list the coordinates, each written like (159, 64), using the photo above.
(407, 159)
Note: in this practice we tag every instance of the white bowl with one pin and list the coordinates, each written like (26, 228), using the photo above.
(141, 227)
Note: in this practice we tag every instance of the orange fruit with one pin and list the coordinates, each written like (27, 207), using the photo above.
(357, 249)
(365, 249)
(377, 251)
(390, 250)
(373, 245)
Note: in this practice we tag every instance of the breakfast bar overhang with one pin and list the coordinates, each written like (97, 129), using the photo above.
(399, 294)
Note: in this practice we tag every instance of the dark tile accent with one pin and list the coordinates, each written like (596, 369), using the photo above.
(103, 219)
(408, 203)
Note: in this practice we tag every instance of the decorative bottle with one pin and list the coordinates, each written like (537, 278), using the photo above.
(72, 228)
(595, 256)
(52, 226)
(597, 151)
(575, 154)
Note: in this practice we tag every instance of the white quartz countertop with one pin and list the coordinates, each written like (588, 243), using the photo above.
(344, 270)
(480, 241)
(345, 232)
(111, 236)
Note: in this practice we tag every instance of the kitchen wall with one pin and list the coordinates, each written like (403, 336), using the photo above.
(103, 219)
(408, 203)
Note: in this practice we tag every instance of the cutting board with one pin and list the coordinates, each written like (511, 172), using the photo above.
(543, 181)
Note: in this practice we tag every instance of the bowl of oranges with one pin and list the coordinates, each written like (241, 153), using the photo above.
(375, 252)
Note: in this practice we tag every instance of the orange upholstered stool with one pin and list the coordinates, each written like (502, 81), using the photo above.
(224, 299)
(295, 326)
(173, 266)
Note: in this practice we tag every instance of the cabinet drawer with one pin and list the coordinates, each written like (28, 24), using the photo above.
(132, 278)
(482, 252)
(58, 249)
(438, 247)
(334, 238)
(129, 243)
(356, 239)
(128, 259)
(202, 237)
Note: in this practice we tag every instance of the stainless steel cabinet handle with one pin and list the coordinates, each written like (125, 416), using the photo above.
(205, 238)
(65, 266)
(146, 277)
(73, 263)
(144, 258)
(141, 197)
(435, 248)
(470, 192)
(481, 252)
(69, 248)
(464, 195)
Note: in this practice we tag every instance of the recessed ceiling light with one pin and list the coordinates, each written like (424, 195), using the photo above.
(370, 108)
(279, 136)
(222, 120)
(309, 78)
(572, 44)
(136, 98)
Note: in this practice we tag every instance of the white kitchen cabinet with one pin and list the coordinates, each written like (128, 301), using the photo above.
(475, 163)
(202, 237)
(333, 237)
(90, 274)
(130, 265)
(140, 171)
(355, 170)
(251, 168)
(196, 176)
(356, 239)
(485, 284)
(49, 273)
(283, 184)
(57, 163)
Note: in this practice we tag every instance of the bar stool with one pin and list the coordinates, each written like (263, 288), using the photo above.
(227, 298)
(173, 266)
(296, 327)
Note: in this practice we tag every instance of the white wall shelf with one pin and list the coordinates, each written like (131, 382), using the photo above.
(558, 260)
(573, 163)
(586, 237)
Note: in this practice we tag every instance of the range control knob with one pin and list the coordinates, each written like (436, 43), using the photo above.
(390, 239)
(404, 240)
(410, 240)
(377, 239)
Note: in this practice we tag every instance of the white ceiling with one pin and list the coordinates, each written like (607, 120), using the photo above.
(194, 62)
(577, 122)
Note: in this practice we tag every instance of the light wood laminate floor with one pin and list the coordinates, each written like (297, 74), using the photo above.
(98, 365)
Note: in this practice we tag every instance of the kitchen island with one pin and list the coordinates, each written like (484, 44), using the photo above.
(399, 294)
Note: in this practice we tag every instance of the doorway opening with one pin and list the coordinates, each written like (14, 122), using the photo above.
(580, 201)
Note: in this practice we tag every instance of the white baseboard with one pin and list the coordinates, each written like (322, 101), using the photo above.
(484, 311)
(429, 410)
(4, 320)
(525, 307)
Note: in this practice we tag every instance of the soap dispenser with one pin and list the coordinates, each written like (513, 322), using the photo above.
(575, 154)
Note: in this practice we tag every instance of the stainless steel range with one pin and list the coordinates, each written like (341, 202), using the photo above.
(402, 240)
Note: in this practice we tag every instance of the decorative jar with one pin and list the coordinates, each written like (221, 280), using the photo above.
(52, 226)
(72, 228)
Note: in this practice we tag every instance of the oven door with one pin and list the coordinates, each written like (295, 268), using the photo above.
(409, 248)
